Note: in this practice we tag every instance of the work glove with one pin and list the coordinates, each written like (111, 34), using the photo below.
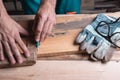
(101, 37)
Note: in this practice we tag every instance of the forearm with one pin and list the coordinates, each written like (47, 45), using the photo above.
(2, 9)
(52, 2)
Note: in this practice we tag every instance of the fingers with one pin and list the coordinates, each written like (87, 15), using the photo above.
(35, 23)
(43, 29)
(109, 54)
(84, 45)
(49, 30)
(8, 52)
(93, 57)
(94, 45)
(39, 29)
(15, 51)
(46, 30)
(1, 52)
(88, 47)
(22, 46)
(100, 53)
(88, 40)
(81, 37)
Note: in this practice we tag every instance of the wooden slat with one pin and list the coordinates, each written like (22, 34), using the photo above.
(87, 4)
(64, 70)
(62, 18)
(113, 10)
(93, 11)
(82, 55)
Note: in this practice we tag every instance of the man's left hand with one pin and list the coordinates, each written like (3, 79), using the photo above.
(44, 21)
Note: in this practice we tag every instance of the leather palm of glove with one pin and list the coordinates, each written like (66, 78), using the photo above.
(101, 37)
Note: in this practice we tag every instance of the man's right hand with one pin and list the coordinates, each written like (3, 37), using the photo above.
(9, 36)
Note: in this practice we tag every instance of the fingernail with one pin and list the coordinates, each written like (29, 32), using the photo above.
(13, 62)
(28, 54)
(37, 44)
(2, 58)
(20, 61)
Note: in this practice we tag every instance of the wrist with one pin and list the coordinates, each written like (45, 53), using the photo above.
(52, 3)
(46, 5)
(4, 15)
(3, 12)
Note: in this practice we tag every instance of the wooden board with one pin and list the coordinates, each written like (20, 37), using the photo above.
(26, 61)
(64, 70)
(64, 43)
(87, 4)
(113, 10)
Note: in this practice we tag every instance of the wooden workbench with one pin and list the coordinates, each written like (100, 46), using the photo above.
(61, 59)
(64, 70)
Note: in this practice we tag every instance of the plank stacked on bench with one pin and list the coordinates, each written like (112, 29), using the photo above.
(63, 44)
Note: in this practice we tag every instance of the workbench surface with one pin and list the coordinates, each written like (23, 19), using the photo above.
(56, 62)
(64, 70)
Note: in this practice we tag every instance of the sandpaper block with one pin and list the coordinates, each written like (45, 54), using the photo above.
(26, 61)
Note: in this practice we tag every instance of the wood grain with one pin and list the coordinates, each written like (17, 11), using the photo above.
(64, 70)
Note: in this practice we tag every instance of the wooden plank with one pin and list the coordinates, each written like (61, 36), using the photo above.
(113, 10)
(64, 70)
(82, 55)
(95, 11)
(67, 39)
(105, 6)
(62, 44)
(87, 4)
(25, 19)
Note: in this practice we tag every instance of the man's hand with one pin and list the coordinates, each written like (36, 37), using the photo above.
(45, 20)
(9, 36)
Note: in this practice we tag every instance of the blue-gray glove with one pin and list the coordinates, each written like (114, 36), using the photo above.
(101, 37)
